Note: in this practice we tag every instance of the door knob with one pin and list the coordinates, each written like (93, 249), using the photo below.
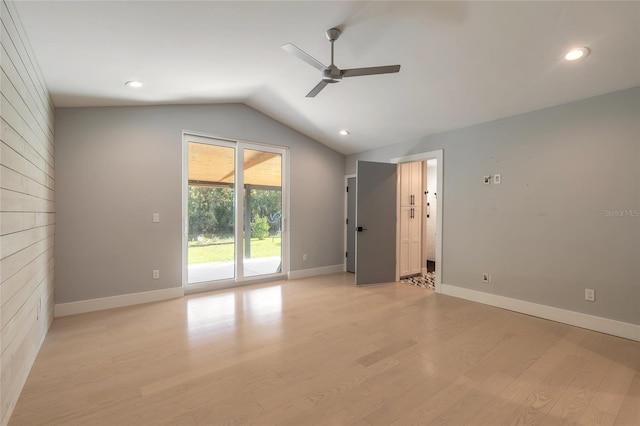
(360, 229)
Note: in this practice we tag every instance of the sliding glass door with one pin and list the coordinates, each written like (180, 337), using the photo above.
(262, 213)
(235, 206)
(211, 212)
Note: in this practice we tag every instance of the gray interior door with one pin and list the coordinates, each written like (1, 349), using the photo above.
(351, 224)
(376, 209)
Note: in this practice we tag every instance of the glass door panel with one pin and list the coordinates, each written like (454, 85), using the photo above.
(262, 236)
(211, 213)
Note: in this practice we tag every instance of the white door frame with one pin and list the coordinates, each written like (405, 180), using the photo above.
(438, 156)
(346, 228)
(239, 146)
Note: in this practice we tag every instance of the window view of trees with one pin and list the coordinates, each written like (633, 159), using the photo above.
(211, 213)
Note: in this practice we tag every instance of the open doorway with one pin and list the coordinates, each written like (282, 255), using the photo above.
(419, 228)
(430, 184)
(417, 212)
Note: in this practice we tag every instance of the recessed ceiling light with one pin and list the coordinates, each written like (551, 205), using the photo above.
(134, 83)
(577, 53)
(344, 132)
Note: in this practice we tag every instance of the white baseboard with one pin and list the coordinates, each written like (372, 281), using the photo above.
(590, 322)
(312, 272)
(82, 306)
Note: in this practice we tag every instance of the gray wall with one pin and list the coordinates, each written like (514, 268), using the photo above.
(27, 213)
(116, 166)
(544, 234)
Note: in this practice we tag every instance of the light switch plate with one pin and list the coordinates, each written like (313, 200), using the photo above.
(497, 179)
(156, 217)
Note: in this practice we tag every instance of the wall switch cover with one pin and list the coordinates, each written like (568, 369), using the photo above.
(497, 179)
(156, 217)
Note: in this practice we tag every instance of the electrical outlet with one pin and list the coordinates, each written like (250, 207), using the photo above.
(304, 257)
(590, 294)
(486, 277)
(487, 180)
(156, 274)
(497, 179)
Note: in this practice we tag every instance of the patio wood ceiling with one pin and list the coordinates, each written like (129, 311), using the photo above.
(215, 165)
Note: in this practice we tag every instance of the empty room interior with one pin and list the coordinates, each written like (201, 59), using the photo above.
(320, 213)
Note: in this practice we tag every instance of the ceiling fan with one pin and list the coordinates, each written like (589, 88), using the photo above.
(331, 73)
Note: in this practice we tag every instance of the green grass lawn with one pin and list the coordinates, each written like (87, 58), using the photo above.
(223, 252)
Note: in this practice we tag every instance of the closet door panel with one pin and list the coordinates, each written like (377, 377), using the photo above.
(405, 241)
(415, 177)
(415, 244)
(405, 184)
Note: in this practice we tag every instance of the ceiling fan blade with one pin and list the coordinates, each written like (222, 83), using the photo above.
(301, 54)
(317, 89)
(355, 72)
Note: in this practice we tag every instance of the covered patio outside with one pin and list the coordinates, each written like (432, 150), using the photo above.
(211, 239)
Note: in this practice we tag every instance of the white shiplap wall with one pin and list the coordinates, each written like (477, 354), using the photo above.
(27, 207)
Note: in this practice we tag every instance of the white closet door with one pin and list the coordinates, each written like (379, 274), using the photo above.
(405, 241)
(415, 179)
(405, 184)
(410, 218)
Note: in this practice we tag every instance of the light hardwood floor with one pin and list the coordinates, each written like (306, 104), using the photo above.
(320, 351)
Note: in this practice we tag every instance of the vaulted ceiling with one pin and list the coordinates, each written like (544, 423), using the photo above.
(462, 62)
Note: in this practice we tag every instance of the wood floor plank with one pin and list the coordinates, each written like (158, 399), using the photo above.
(432, 407)
(605, 404)
(575, 399)
(629, 413)
(463, 411)
(539, 402)
(320, 351)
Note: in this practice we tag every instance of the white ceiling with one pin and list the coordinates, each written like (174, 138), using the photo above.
(462, 62)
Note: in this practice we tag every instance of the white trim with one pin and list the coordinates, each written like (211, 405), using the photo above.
(91, 305)
(346, 228)
(590, 322)
(312, 272)
(439, 156)
(238, 210)
(416, 157)
(185, 209)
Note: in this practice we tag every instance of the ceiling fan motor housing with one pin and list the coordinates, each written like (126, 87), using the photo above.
(332, 74)
(333, 34)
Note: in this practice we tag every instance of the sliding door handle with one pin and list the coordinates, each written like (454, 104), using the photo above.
(360, 229)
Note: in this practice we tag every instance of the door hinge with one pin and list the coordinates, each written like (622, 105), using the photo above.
(347, 189)
(346, 254)
(347, 221)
